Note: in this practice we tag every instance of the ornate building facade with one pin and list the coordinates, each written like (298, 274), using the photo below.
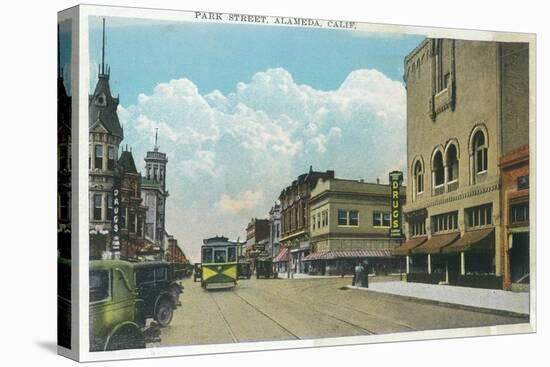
(467, 105)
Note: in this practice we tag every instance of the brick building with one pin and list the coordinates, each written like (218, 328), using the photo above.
(295, 214)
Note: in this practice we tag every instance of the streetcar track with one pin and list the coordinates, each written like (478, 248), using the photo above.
(231, 332)
(277, 294)
(266, 315)
(309, 288)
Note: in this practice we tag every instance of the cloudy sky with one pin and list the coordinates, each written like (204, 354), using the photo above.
(243, 110)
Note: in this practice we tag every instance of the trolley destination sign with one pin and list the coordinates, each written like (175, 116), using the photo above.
(396, 177)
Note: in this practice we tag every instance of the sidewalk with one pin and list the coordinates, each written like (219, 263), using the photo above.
(492, 299)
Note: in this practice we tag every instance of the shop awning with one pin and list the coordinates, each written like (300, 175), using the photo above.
(282, 256)
(347, 254)
(480, 239)
(406, 248)
(436, 243)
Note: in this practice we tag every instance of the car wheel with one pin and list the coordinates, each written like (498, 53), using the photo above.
(164, 313)
(126, 338)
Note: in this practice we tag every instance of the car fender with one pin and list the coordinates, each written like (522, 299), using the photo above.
(117, 328)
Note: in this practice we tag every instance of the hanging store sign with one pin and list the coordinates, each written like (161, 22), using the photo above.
(115, 240)
(396, 177)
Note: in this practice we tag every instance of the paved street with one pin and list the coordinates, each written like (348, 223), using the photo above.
(282, 309)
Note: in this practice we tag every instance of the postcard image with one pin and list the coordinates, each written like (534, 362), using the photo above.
(259, 182)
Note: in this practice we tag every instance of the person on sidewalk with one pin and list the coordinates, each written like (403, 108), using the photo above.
(357, 274)
(365, 274)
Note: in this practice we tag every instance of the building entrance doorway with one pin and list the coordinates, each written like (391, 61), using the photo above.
(519, 258)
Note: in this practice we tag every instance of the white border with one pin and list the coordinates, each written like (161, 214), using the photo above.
(176, 15)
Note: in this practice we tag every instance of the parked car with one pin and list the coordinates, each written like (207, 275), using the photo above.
(243, 270)
(159, 290)
(264, 268)
(114, 303)
(197, 272)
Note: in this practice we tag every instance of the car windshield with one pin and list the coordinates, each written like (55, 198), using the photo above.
(99, 285)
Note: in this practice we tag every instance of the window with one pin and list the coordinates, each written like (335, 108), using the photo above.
(479, 216)
(313, 221)
(220, 255)
(111, 158)
(145, 275)
(381, 219)
(519, 213)
(231, 254)
(447, 222)
(318, 220)
(161, 174)
(342, 217)
(418, 228)
(480, 152)
(109, 207)
(155, 174)
(160, 274)
(99, 285)
(207, 255)
(98, 155)
(139, 230)
(122, 210)
(419, 177)
(354, 218)
(97, 206)
(438, 169)
(452, 163)
(132, 223)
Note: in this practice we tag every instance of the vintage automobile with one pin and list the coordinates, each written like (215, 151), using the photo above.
(197, 272)
(160, 292)
(243, 270)
(264, 268)
(114, 303)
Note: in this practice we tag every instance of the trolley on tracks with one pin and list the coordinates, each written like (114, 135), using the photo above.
(218, 263)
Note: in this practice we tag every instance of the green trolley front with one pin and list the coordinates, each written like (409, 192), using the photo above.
(218, 263)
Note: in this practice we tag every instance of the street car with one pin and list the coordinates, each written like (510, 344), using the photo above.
(218, 263)
(160, 292)
(114, 303)
(264, 268)
(243, 270)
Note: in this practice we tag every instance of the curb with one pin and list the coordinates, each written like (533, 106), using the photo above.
(448, 304)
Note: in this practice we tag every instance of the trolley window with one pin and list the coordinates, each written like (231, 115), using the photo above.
(231, 254)
(220, 256)
(207, 255)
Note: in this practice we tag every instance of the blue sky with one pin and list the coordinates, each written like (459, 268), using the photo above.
(242, 110)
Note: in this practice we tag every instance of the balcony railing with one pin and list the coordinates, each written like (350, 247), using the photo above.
(452, 186)
(438, 190)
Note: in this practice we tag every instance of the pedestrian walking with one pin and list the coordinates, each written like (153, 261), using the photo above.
(365, 275)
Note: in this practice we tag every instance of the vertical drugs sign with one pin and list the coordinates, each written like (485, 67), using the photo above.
(115, 239)
(396, 178)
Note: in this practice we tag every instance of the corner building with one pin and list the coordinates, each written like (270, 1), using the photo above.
(467, 107)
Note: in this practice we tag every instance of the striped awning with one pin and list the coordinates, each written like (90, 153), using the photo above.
(282, 256)
(347, 254)
(436, 243)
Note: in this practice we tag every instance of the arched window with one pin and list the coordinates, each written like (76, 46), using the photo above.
(438, 169)
(419, 177)
(480, 152)
(452, 163)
